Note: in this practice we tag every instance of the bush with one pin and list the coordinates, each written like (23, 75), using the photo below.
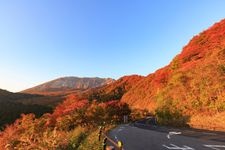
(167, 113)
(91, 142)
(222, 69)
(77, 136)
(171, 118)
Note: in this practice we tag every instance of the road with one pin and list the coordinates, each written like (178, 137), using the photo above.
(138, 136)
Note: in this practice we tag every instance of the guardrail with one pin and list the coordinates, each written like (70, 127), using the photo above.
(118, 145)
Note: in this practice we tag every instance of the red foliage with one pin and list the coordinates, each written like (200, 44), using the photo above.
(204, 42)
(161, 77)
(196, 59)
(126, 81)
(70, 104)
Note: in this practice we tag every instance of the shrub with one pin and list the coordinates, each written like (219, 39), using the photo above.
(91, 142)
(171, 118)
(222, 69)
(167, 113)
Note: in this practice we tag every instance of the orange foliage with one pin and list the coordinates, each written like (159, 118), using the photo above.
(194, 81)
(70, 104)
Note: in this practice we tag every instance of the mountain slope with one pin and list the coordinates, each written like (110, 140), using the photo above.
(12, 105)
(193, 82)
(68, 84)
(113, 91)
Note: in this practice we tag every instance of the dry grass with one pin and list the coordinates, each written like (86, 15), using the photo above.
(209, 122)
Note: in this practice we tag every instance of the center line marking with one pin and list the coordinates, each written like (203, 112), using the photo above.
(173, 146)
(172, 133)
(116, 138)
(216, 147)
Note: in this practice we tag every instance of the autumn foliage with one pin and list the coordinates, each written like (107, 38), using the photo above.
(114, 90)
(193, 83)
(56, 130)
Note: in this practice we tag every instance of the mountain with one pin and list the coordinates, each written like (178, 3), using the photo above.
(9, 96)
(193, 84)
(67, 84)
(12, 105)
(114, 90)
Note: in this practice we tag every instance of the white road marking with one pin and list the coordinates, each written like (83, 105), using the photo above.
(116, 138)
(173, 146)
(216, 147)
(172, 133)
(119, 130)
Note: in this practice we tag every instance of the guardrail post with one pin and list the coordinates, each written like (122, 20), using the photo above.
(104, 143)
(120, 145)
(100, 133)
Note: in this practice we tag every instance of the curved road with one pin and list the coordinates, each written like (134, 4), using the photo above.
(139, 136)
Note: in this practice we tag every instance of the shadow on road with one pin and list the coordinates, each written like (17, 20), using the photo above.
(190, 132)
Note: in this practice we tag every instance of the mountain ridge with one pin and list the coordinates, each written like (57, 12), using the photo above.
(69, 83)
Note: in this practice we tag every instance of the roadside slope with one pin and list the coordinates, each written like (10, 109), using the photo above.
(192, 84)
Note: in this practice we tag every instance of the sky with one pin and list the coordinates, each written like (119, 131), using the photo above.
(41, 40)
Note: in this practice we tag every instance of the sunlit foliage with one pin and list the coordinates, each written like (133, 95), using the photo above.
(59, 130)
(194, 81)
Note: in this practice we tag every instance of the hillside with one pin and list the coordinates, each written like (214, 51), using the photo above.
(113, 91)
(73, 125)
(67, 84)
(12, 105)
(193, 83)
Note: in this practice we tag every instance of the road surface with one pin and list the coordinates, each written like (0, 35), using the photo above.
(138, 136)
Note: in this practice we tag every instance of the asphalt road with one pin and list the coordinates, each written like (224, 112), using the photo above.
(138, 136)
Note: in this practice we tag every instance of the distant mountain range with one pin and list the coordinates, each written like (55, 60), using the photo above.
(66, 84)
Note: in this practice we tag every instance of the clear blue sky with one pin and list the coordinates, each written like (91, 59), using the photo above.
(41, 40)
